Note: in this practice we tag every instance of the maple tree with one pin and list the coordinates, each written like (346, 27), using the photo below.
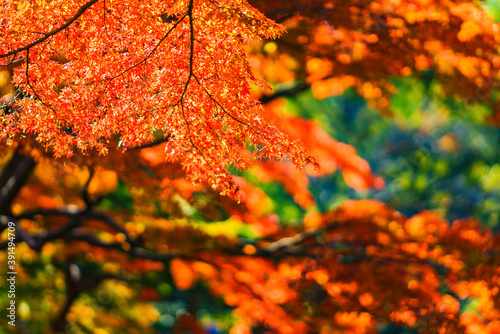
(126, 127)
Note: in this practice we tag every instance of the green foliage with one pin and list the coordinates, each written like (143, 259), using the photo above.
(433, 154)
(120, 199)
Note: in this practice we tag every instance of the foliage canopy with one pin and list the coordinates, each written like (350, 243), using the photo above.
(161, 164)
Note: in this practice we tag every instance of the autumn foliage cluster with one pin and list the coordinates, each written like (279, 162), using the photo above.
(162, 173)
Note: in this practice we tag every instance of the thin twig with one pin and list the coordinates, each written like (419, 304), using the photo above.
(142, 61)
(29, 83)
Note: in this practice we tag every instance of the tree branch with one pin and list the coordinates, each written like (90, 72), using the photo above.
(85, 191)
(301, 87)
(153, 143)
(13, 178)
(74, 287)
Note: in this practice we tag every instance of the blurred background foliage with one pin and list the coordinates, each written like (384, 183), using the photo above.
(431, 154)
(434, 152)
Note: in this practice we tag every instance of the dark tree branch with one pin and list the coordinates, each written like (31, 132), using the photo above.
(12, 179)
(81, 235)
(71, 233)
(29, 83)
(85, 191)
(301, 87)
(64, 211)
(37, 241)
(67, 231)
(153, 143)
(74, 287)
(110, 222)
